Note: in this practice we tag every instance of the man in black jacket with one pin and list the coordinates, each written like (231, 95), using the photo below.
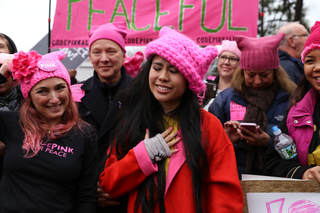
(100, 103)
(290, 49)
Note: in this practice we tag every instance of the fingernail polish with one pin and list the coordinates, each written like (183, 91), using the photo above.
(147, 129)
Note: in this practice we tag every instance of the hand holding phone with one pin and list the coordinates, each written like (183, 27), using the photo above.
(252, 127)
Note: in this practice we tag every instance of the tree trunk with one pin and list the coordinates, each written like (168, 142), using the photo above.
(298, 10)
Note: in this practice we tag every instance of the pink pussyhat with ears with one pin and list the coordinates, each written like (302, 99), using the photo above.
(259, 53)
(30, 68)
(313, 41)
(185, 55)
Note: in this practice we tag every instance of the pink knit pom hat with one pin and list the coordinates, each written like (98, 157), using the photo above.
(230, 46)
(116, 32)
(259, 53)
(185, 55)
(30, 68)
(313, 41)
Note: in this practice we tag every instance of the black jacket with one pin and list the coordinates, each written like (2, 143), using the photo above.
(60, 178)
(95, 110)
(294, 67)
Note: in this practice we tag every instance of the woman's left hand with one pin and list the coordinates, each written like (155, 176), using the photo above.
(260, 138)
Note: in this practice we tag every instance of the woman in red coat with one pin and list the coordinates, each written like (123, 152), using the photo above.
(169, 155)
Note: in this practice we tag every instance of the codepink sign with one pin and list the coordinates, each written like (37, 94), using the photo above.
(77, 92)
(205, 21)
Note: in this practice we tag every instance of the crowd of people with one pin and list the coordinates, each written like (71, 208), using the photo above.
(140, 138)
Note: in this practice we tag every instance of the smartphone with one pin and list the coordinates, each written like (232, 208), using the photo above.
(252, 127)
(211, 90)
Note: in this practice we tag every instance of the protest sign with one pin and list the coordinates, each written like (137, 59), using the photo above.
(279, 196)
(204, 21)
(283, 202)
(74, 56)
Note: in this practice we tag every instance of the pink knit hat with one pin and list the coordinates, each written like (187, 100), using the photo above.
(230, 46)
(313, 41)
(30, 68)
(116, 32)
(185, 55)
(259, 53)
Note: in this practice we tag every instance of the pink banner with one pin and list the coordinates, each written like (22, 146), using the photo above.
(206, 22)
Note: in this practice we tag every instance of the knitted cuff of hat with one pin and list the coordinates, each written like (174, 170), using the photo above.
(307, 50)
(157, 148)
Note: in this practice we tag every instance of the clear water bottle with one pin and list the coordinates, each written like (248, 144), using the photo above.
(284, 144)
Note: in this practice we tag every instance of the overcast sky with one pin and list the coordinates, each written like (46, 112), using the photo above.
(26, 21)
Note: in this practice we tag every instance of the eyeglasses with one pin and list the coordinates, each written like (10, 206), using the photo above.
(303, 35)
(232, 60)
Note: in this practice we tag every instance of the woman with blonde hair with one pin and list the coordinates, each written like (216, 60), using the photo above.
(259, 94)
(280, 76)
(228, 62)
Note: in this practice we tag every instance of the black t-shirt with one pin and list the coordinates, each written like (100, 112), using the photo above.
(62, 177)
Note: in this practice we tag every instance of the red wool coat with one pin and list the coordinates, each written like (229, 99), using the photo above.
(223, 190)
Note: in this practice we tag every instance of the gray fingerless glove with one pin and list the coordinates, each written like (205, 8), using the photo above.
(157, 148)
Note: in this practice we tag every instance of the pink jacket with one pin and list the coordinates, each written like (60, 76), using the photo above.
(300, 124)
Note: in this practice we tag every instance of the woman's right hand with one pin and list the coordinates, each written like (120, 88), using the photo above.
(312, 173)
(231, 127)
(5, 69)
